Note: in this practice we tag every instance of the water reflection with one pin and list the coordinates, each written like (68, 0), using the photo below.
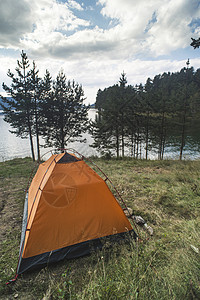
(12, 146)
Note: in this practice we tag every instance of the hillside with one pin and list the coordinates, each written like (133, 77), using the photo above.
(165, 266)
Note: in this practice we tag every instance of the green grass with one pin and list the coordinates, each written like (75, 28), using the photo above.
(165, 266)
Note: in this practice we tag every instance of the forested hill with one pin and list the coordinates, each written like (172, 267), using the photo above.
(167, 89)
(131, 116)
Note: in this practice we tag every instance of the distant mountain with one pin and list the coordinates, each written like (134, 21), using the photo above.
(4, 103)
(92, 105)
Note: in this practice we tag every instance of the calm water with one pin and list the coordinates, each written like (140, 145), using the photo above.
(12, 146)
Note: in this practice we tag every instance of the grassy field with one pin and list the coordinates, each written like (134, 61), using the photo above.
(165, 266)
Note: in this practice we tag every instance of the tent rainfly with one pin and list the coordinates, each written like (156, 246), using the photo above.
(68, 210)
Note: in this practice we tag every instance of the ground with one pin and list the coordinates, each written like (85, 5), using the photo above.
(165, 266)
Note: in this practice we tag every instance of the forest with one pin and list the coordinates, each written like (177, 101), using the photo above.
(132, 118)
(130, 121)
(44, 108)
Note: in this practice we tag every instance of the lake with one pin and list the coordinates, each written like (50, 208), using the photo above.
(12, 146)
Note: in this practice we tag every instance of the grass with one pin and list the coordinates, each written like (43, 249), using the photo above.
(165, 266)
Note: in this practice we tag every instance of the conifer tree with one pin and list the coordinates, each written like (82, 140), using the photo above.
(101, 133)
(147, 95)
(18, 107)
(36, 92)
(122, 85)
(149, 115)
(123, 80)
(195, 43)
(65, 115)
(185, 92)
(113, 104)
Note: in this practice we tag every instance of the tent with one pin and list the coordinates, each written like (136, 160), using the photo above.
(68, 210)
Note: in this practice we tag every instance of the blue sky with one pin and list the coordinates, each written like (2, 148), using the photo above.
(95, 41)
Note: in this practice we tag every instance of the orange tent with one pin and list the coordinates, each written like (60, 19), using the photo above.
(68, 209)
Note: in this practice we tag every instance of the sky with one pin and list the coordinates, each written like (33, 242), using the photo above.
(95, 41)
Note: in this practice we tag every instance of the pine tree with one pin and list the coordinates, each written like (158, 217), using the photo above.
(36, 92)
(113, 104)
(160, 105)
(132, 114)
(123, 80)
(65, 115)
(101, 133)
(148, 95)
(195, 43)
(185, 92)
(18, 109)
(122, 111)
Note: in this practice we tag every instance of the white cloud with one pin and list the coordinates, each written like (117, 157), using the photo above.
(28, 23)
(168, 31)
(95, 74)
(51, 32)
(75, 5)
(14, 21)
(51, 28)
(172, 31)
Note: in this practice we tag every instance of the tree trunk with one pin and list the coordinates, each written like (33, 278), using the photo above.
(37, 131)
(31, 139)
(38, 144)
(122, 144)
(117, 142)
(62, 140)
(132, 146)
(32, 149)
(117, 145)
(163, 144)
(160, 152)
(147, 136)
(122, 135)
(135, 147)
(183, 126)
(28, 115)
(183, 136)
